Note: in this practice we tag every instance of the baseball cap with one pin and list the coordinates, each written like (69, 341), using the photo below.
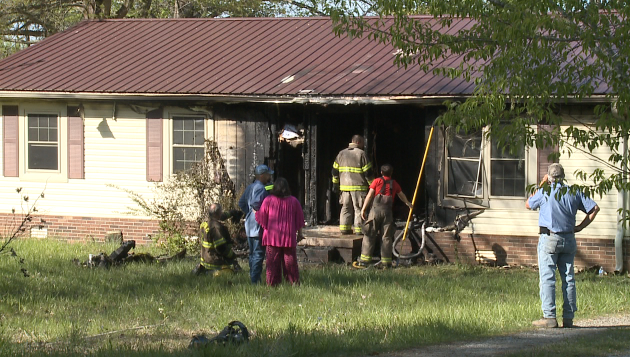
(261, 169)
(555, 171)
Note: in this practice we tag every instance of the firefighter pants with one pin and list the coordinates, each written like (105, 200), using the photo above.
(350, 215)
(379, 220)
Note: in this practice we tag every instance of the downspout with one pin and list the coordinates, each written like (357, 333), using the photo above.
(622, 203)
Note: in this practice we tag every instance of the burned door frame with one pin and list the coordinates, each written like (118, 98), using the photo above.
(309, 150)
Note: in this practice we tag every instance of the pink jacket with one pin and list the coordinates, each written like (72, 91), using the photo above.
(281, 217)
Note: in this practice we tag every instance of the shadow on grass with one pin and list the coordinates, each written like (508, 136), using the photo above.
(62, 279)
(290, 342)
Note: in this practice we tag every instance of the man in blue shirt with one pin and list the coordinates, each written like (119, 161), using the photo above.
(556, 245)
(249, 203)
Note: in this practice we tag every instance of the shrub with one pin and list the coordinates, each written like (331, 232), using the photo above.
(180, 203)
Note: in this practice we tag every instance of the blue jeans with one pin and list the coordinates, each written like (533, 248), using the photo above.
(557, 250)
(256, 258)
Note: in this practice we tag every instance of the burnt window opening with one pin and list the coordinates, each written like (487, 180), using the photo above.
(188, 142)
(464, 160)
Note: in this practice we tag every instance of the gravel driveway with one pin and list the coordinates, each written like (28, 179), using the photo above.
(497, 346)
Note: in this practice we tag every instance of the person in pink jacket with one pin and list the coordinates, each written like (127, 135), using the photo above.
(282, 218)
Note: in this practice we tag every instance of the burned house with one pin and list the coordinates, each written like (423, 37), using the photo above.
(127, 102)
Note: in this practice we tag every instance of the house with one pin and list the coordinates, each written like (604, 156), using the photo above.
(125, 103)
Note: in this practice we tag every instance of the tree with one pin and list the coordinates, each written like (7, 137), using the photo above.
(25, 22)
(528, 59)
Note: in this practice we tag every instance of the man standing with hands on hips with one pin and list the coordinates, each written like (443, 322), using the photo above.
(250, 202)
(556, 244)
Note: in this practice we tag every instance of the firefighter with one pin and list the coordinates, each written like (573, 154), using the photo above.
(217, 256)
(380, 219)
(351, 176)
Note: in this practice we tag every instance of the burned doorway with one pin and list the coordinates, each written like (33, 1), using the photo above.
(397, 136)
(394, 135)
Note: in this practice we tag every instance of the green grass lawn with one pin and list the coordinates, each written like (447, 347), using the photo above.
(64, 309)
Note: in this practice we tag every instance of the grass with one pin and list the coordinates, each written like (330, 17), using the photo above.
(153, 310)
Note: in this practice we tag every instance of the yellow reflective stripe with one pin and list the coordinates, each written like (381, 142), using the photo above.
(269, 187)
(354, 170)
(345, 227)
(335, 179)
(353, 188)
(335, 165)
(205, 227)
(367, 167)
(366, 258)
(357, 229)
(214, 266)
(211, 245)
(386, 260)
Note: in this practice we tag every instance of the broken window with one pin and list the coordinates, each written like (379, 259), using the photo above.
(188, 142)
(464, 157)
(465, 168)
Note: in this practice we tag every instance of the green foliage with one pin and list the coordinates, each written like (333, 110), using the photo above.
(154, 309)
(531, 62)
(180, 203)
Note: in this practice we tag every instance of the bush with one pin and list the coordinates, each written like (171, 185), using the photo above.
(180, 203)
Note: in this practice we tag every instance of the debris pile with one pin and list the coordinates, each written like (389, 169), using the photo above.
(235, 333)
(122, 255)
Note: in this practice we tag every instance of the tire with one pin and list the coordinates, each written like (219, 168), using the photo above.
(412, 236)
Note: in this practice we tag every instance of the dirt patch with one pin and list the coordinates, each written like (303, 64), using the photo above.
(497, 346)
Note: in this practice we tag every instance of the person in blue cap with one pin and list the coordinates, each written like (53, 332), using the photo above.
(557, 246)
(249, 203)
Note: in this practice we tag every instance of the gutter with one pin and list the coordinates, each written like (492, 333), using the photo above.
(622, 204)
(288, 99)
(306, 98)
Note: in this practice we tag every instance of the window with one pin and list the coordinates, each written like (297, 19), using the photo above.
(188, 142)
(464, 165)
(507, 172)
(478, 168)
(43, 142)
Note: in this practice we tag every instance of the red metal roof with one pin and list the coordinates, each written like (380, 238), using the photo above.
(236, 56)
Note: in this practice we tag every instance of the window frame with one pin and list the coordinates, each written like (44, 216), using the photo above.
(30, 144)
(169, 127)
(43, 175)
(480, 165)
(487, 199)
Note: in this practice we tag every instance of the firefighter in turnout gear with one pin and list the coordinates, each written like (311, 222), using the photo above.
(351, 176)
(217, 256)
(380, 219)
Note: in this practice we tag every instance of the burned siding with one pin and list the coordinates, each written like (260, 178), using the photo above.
(245, 138)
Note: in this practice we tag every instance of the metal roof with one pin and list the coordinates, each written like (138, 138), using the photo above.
(278, 57)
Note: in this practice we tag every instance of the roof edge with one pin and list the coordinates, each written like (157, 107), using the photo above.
(344, 100)
(285, 99)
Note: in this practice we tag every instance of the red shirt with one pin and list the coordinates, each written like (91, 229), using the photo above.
(378, 183)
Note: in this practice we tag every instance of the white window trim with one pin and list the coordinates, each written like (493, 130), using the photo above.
(488, 200)
(31, 175)
(168, 134)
